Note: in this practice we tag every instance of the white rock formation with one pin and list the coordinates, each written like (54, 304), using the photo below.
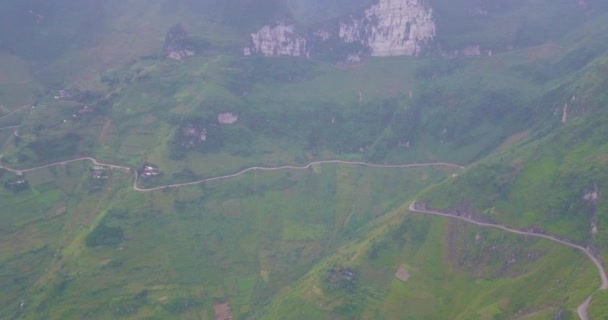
(180, 54)
(353, 58)
(227, 118)
(392, 28)
(388, 28)
(280, 40)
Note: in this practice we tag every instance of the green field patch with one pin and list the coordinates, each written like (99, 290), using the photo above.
(40, 177)
(294, 231)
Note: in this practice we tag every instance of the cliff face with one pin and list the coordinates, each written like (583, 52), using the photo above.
(280, 40)
(392, 28)
(388, 28)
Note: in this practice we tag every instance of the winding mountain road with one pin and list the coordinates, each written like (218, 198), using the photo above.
(582, 310)
(234, 175)
(230, 176)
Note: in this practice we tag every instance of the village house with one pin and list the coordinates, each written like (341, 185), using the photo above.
(19, 183)
(99, 172)
(64, 94)
(149, 170)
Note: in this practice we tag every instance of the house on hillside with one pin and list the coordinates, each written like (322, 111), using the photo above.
(16, 184)
(148, 170)
(99, 172)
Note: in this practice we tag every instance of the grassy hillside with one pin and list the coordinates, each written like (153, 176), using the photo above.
(107, 251)
(91, 78)
(453, 271)
(293, 111)
(290, 110)
(554, 183)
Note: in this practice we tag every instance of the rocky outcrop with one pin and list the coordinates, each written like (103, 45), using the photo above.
(177, 44)
(388, 28)
(280, 40)
(227, 118)
(392, 28)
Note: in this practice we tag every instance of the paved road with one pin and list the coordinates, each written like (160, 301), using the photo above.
(234, 175)
(584, 307)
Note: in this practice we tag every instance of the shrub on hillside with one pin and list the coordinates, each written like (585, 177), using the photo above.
(104, 235)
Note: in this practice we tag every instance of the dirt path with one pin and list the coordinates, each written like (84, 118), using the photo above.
(103, 135)
(63, 163)
(11, 127)
(584, 307)
(582, 310)
(14, 111)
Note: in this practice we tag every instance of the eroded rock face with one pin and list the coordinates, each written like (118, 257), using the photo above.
(227, 118)
(392, 28)
(388, 28)
(280, 40)
(177, 44)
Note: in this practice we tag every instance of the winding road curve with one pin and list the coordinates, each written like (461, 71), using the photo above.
(582, 310)
(360, 163)
(14, 111)
(234, 175)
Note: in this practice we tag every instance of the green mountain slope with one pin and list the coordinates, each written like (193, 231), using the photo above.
(554, 183)
(108, 251)
(162, 88)
(454, 271)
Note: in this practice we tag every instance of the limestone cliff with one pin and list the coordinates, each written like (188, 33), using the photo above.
(387, 28)
(280, 40)
(392, 28)
(177, 44)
